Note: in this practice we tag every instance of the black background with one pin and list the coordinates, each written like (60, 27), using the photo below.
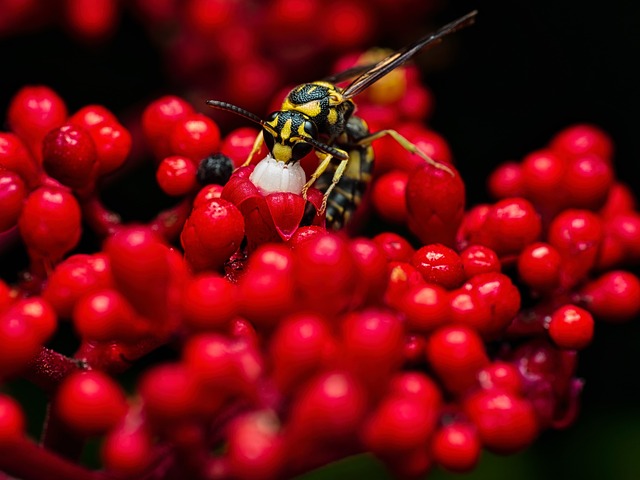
(523, 72)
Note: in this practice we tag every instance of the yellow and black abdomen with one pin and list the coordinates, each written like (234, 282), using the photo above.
(347, 195)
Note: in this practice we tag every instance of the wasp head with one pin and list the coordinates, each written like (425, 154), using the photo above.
(289, 135)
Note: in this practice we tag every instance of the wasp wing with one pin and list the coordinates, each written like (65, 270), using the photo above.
(393, 61)
(349, 73)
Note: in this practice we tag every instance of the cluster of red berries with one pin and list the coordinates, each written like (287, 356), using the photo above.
(454, 330)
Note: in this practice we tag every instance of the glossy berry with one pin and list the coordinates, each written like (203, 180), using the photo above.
(158, 120)
(176, 175)
(395, 247)
(435, 203)
(15, 157)
(12, 421)
(440, 265)
(388, 196)
(50, 222)
(91, 116)
(126, 450)
(500, 375)
(20, 341)
(539, 266)
(169, 392)
(299, 348)
(614, 296)
(238, 143)
(194, 136)
(456, 354)
(12, 194)
(511, 224)
(587, 181)
(478, 259)
(399, 424)
(212, 233)
(425, 307)
(571, 327)
(543, 172)
(506, 181)
(33, 112)
(215, 168)
(506, 423)
(581, 139)
(371, 265)
(90, 402)
(113, 145)
(69, 155)
(456, 447)
(73, 278)
(209, 302)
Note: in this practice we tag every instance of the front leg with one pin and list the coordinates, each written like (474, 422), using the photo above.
(257, 145)
(325, 160)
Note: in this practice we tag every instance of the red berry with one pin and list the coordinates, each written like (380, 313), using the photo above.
(425, 307)
(506, 181)
(92, 19)
(105, 315)
(33, 112)
(329, 409)
(351, 25)
(90, 402)
(267, 290)
(255, 448)
(69, 155)
(399, 424)
(20, 339)
(388, 196)
(372, 345)
(620, 200)
(92, 115)
(614, 296)
(395, 247)
(440, 265)
(207, 193)
(158, 120)
(625, 229)
(113, 145)
(15, 157)
(211, 234)
(542, 174)
(506, 423)
(456, 354)
(581, 139)
(50, 222)
(325, 268)
(511, 224)
(571, 327)
(73, 278)
(539, 266)
(500, 375)
(12, 195)
(209, 302)
(401, 276)
(371, 266)
(478, 259)
(127, 451)
(169, 393)
(435, 203)
(299, 348)
(12, 421)
(238, 144)
(456, 447)
(176, 175)
(194, 136)
(39, 315)
(587, 181)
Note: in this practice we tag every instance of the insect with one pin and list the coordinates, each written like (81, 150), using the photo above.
(319, 115)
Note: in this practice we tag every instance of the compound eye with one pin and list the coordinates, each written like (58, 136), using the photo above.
(268, 139)
(311, 129)
(272, 116)
(300, 150)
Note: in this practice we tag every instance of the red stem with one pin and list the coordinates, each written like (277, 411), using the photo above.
(101, 220)
(26, 460)
(169, 222)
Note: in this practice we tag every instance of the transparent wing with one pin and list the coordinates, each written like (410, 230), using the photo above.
(380, 69)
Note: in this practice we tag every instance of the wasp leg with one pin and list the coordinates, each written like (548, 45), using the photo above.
(337, 175)
(324, 163)
(407, 145)
(257, 145)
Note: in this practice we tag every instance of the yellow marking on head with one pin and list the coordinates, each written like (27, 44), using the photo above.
(301, 131)
(282, 153)
(285, 133)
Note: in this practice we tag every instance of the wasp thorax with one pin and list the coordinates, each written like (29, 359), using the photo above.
(271, 176)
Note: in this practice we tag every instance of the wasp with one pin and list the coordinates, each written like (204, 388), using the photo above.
(320, 115)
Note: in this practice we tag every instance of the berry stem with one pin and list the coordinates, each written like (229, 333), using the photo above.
(169, 222)
(101, 220)
(26, 460)
(49, 368)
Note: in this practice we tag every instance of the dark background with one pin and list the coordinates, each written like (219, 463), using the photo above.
(508, 84)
